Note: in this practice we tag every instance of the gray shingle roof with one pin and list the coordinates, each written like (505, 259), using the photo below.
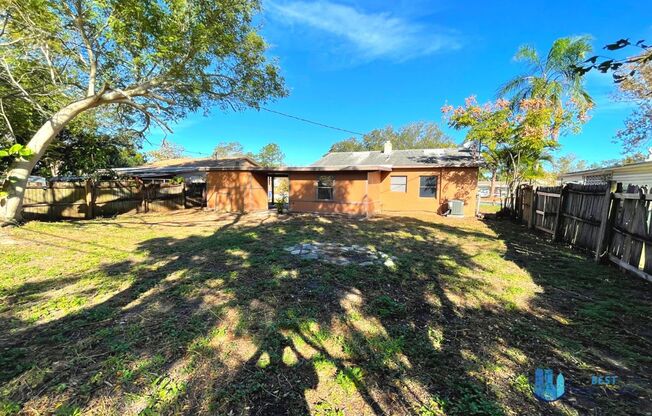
(403, 158)
(184, 165)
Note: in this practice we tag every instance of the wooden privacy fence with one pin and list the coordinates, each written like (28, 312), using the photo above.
(612, 223)
(89, 199)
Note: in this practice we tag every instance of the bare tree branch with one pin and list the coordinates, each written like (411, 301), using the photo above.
(77, 19)
(4, 24)
(4, 116)
(148, 114)
(16, 84)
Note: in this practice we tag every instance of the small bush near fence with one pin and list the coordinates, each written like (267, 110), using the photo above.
(89, 199)
(612, 222)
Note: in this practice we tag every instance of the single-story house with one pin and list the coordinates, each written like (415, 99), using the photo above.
(359, 183)
(639, 173)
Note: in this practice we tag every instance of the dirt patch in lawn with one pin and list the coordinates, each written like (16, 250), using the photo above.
(341, 254)
(200, 313)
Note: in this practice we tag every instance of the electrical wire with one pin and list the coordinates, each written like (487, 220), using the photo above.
(284, 115)
(311, 122)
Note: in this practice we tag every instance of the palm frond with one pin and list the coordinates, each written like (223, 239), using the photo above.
(514, 85)
(529, 54)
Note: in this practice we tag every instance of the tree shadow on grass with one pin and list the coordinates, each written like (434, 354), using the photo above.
(592, 319)
(231, 323)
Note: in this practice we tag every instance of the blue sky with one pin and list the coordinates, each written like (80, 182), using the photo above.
(361, 65)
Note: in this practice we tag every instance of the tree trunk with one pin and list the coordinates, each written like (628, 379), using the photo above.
(11, 208)
(492, 186)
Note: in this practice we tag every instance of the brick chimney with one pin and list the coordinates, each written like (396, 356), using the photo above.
(387, 148)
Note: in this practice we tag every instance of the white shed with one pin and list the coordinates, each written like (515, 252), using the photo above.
(639, 173)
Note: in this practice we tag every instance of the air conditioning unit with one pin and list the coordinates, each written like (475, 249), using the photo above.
(457, 208)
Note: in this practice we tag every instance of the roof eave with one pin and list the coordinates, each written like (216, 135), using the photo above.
(438, 165)
(610, 169)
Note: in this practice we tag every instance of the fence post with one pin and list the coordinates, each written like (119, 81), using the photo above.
(533, 207)
(557, 230)
(605, 221)
(89, 187)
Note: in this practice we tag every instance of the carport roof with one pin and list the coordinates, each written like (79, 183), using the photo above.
(186, 165)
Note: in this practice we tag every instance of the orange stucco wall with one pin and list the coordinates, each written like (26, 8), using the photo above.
(373, 192)
(452, 183)
(358, 193)
(236, 191)
(349, 193)
(460, 183)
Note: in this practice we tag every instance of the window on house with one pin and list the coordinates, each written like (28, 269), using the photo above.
(427, 186)
(398, 183)
(325, 188)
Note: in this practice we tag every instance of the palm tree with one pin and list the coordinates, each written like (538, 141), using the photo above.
(553, 78)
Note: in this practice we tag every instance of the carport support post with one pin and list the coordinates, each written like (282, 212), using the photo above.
(606, 219)
(273, 199)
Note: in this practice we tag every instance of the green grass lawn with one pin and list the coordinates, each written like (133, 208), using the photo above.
(487, 208)
(193, 313)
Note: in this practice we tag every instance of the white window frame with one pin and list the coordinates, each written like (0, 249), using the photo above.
(332, 187)
(404, 184)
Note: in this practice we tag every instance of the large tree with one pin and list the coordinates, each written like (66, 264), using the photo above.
(553, 79)
(228, 149)
(81, 153)
(637, 88)
(633, 74)
(270, 155)
(94, 140)
(513, 140)
(155, 60)
(516, 135)
(166, 151)
(420, 135)
(564, 164)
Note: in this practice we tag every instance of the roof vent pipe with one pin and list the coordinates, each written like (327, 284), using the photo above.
(387, 148)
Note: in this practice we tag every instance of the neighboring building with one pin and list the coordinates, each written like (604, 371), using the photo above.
(193, 170)
(360, 183)
(501, 190)
(37, 181)
(639, 173)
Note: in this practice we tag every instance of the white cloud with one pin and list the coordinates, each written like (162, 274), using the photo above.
(371, 35)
